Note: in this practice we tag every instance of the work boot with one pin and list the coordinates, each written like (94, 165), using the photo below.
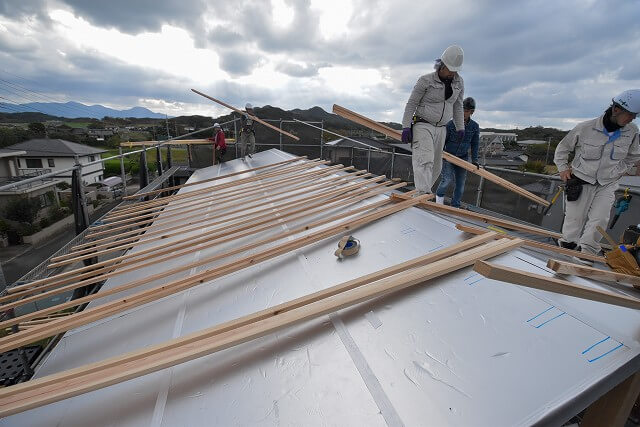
(568, 245)
(440, 200)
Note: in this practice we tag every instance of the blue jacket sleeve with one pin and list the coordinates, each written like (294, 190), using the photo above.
(475, 143)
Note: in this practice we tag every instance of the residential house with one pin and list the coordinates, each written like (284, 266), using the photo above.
(57, 154)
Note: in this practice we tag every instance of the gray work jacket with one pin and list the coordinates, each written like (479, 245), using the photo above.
(427, 102)
(599, 157)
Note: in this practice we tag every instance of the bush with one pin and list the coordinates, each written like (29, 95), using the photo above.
(4, 228)
(63, 185)
(44, 222)
(536, 166)
(27, 229)
(57, 213)
(22, 209)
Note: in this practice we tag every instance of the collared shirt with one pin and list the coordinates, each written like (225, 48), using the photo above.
(599, 156)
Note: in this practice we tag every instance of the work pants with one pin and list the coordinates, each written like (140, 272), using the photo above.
(582, 216)
(428, 142)
(247, 143)
(450, 173)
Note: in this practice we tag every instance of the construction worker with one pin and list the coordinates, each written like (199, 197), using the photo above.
(604, 149)
(219, 144)
(247, 139)
(435, 99)
(459, 148)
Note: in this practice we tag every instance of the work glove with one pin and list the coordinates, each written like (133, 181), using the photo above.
(407, 135)
(475, 163)
(460, 134)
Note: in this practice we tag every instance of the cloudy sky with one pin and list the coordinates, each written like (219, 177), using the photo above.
(550, 63)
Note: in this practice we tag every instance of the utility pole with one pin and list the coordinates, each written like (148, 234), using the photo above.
(546, 158)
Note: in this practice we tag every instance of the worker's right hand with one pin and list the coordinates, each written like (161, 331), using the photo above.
(407, 135)
(565, 175)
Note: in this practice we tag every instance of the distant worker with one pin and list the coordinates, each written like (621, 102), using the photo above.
(219, 144)
(604, 149)
(247, 139)
(435, 99)
(459, 148)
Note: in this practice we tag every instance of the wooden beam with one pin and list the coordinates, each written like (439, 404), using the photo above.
(189, 184)
(143, 297)
(121, 368)
(562, 267)
(204, 202)
(327, 184)
(552, 284)
(486, 218)
(613, 409)
(235, 183)
(207, 236)
(397, 135)
(243, 112)
(536, 245)
(201, 141)
(105, 269)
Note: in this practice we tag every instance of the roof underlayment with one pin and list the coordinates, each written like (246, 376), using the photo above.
(459, 350)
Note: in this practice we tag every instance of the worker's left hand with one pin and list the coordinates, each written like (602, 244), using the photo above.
(460, 134)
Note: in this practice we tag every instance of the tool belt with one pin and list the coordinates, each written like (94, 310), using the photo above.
(573, 188)
(621, 259)
(418, 119)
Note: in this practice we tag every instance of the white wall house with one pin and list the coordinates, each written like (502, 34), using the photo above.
(49, 155)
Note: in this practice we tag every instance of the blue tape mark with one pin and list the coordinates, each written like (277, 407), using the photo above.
(473, 275)
(534, 317)
(553, 318)
(603, 355)
(475, 281)
(599, 342)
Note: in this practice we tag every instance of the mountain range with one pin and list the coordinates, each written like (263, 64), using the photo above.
(73, 110)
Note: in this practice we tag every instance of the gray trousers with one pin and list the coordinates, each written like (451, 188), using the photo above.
(247, 143)
(428, 142)
(581, 217)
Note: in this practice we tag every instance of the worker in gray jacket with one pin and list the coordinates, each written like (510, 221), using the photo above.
(435, 99)
(604, 149)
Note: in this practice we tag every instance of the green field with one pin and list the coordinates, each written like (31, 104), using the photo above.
(131, 163)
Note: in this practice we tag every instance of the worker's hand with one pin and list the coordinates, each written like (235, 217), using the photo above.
(475, 163)
(407, 135)
(565, 175)
(460, 135)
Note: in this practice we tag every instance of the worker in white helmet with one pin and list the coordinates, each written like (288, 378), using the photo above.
(436, 98)
(247, 138)
(604, 149)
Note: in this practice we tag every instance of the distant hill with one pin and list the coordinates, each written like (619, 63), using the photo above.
(74, 110)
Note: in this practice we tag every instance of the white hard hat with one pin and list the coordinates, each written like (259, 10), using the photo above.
(629, 100)
(216, 125)
(452, 57)
(248, 106)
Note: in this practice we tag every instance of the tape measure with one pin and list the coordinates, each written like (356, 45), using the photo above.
(347, 246)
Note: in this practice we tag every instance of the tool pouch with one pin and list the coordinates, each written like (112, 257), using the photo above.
(622, 261)
(573, 188)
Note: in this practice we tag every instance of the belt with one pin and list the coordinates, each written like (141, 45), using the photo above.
(417, 119)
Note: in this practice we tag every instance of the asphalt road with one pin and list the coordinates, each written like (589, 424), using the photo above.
(22, 264)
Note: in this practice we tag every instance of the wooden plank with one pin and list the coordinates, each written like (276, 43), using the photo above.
(143, 297)
(235, 183)
(397, 135)
(121, 368)
(131, 144)
(613, 409)
(207, 236)
(106, 270)
(248, 227)
(552, 284)
(228, 210)
(536, 245)
(204, 202)
(562, 267)
(243, 112)
(112, 228)
(176, 187)
(486, 218)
